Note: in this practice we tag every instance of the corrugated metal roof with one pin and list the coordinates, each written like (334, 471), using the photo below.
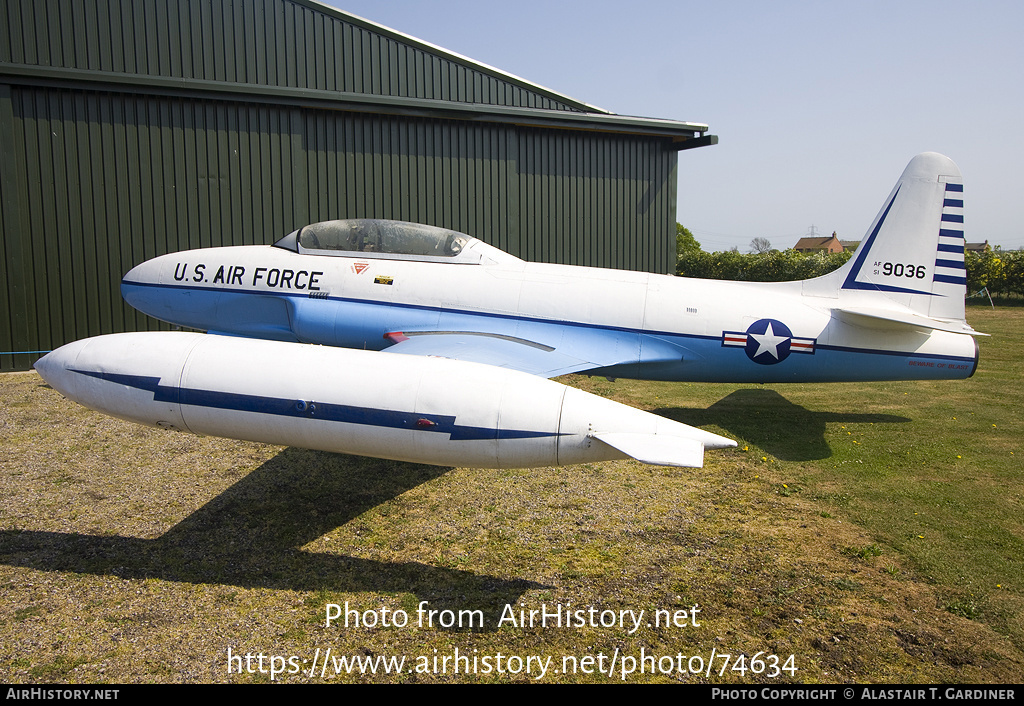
(282, 43)
(295, 51)
(512, 78)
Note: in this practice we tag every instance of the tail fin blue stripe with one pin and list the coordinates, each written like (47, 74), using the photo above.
(862, 252)
(957, 235)
(930, 184)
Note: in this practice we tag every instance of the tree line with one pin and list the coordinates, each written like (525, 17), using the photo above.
(1002, 272)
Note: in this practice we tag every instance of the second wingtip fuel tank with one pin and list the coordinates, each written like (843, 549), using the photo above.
(408, 408)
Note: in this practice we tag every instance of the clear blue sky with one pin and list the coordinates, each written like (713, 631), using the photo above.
(818, 105)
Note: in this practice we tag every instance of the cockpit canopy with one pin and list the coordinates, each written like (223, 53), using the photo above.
(373, 238)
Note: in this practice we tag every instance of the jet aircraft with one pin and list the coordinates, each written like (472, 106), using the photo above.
(895, 311)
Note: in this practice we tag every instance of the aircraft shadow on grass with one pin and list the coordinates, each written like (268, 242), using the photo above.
(250, 536)
(768, 420)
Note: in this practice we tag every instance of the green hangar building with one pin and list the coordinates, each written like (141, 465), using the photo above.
(132, 128)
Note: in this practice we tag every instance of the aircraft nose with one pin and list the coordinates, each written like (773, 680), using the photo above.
(137, 285)
(147, 272)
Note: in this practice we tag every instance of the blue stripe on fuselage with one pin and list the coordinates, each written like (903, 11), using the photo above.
(707, 363)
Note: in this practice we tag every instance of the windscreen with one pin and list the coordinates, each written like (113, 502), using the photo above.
(380, 236)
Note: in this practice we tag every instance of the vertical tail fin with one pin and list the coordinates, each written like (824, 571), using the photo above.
(913, 254)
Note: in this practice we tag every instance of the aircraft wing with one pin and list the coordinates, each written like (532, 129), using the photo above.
(492, 349)
(657, 450)
(547, 352)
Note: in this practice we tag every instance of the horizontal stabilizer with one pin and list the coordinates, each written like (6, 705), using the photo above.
(887, 318)
(656, 449)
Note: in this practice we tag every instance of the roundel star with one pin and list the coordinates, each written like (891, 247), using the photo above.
(768, 341)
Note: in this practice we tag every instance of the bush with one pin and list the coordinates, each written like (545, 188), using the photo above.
(1002, 272)
(773, 266)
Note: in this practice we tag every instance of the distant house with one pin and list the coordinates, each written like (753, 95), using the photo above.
(849, 245)
(977, 247)
(830, 244)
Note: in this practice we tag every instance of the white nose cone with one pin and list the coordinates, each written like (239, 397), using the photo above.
(48, 367)
(54, 368)
(146, 287)
(121, 376)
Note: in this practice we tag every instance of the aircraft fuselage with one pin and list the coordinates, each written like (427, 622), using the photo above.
(668, 328)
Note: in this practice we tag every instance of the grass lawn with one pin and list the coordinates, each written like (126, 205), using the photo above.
(861, 532)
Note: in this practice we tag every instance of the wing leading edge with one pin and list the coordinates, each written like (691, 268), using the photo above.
(491, 349)
(576, 349)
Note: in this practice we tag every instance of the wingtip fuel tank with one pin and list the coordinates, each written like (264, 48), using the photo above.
(419, 409)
